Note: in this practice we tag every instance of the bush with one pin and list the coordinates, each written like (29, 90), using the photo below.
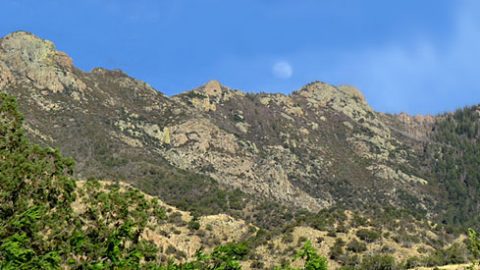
(312, 260)
(287, 238)
(368, 236)
(337, 249)
(413, 262)
(474, 246)
(331, 233)
(455, 254)
(356, 246)
(350, 262)
(378, 262)
(194, 224)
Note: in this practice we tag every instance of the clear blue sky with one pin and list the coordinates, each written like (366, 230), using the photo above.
(405, 55)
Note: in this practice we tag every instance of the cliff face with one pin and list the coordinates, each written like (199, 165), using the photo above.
(318, 147)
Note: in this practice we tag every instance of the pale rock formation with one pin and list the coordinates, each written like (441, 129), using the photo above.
(6, 77)
(38, 62)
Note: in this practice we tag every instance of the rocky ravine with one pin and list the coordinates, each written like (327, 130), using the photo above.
(320, 146)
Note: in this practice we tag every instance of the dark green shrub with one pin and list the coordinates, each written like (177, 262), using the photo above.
(378, 262)
(337, 249)
(194, 224)
(368, 236)
(356, 246)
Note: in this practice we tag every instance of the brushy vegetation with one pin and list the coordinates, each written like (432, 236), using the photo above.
(474, 248)
(39, 228)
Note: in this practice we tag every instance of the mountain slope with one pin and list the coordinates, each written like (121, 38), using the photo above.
(291, 164)
(214, 149)
(50, 221)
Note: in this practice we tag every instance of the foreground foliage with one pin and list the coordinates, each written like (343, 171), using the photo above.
(474, 247)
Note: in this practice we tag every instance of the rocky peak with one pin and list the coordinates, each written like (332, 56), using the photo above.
(208, 96)
(35, 60)
(109, 72)
(213, 88)
(353, 92)
(344, 99)
(325, 93)
(22, 49)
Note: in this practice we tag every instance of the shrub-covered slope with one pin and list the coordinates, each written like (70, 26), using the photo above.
(38, 227)
(50, 221)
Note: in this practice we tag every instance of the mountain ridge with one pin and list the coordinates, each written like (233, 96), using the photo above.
(278, 162)
(319, 146)
(66, 61)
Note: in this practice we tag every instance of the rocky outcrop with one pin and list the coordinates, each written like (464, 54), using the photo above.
(6, 77)
(372, 138)
(208, 96)
(38, 62)
(416, 127)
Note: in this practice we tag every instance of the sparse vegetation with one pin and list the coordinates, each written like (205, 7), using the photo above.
(378, 262)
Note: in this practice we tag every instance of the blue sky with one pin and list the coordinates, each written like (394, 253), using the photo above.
(404, 55)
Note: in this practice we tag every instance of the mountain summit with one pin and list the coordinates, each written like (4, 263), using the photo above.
(36, 60)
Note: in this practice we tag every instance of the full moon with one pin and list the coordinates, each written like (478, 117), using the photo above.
(282, 70)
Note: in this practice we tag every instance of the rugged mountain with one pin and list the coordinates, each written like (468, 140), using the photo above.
(321, 146)
(302, 166)
(50, 221)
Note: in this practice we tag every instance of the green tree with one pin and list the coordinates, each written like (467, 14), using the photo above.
(474, 248)
(313, 261)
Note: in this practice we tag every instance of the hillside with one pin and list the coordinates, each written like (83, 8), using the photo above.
(319, 147)
(318, 164)
(50, 221)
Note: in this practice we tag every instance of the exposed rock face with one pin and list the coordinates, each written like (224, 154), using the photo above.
(373, 140)
(317, 147)
(416, 126)
(208, 96)
(38, 61)
(6, 77)
(213, 89)
(200, 145)
(201, 136)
